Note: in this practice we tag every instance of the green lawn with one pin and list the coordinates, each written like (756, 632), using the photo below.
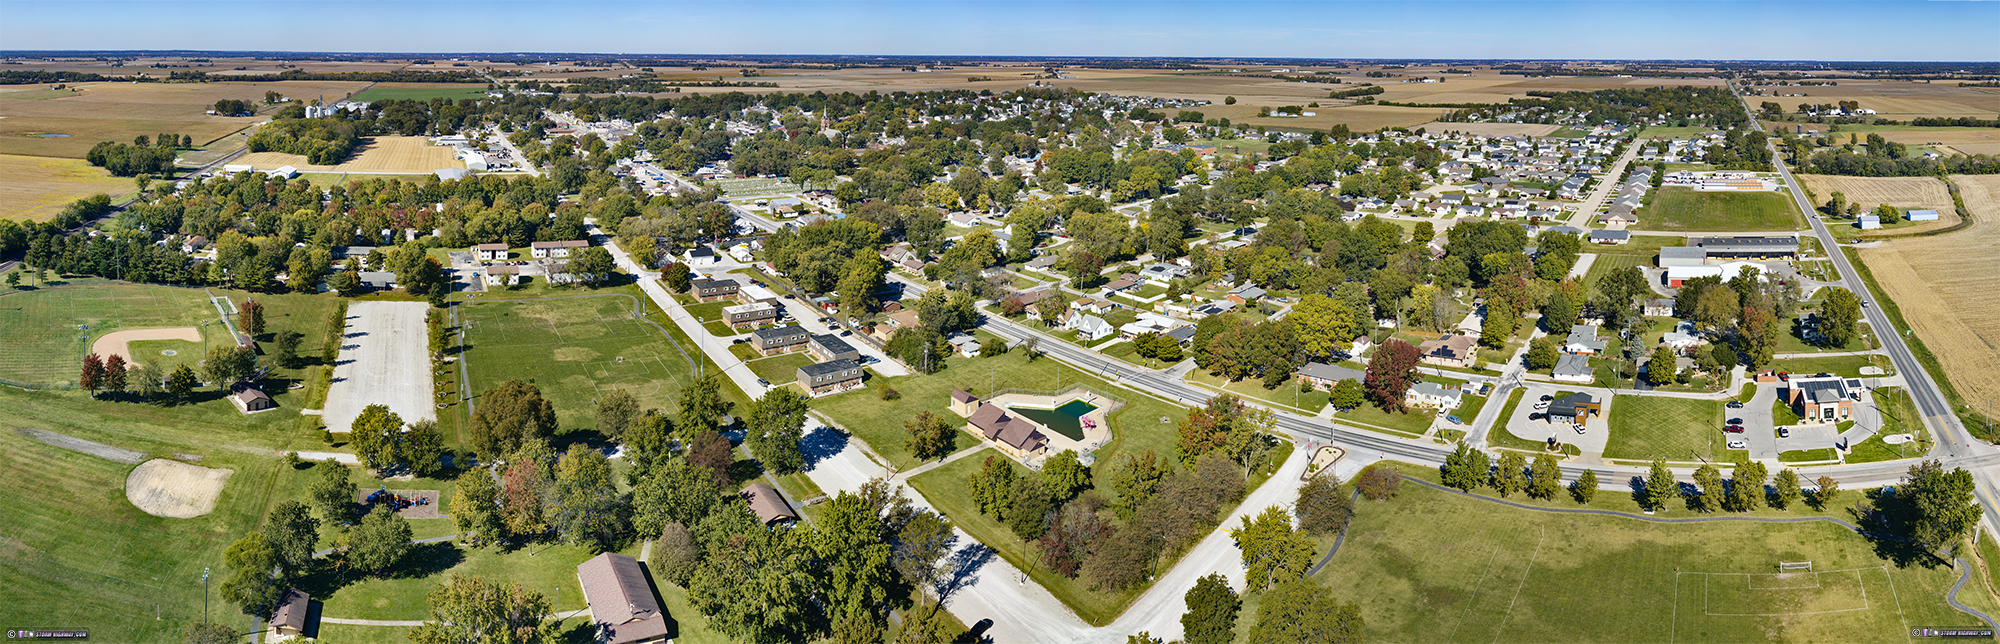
(575, 350)
(1439, 566)
(1790, 342)
(48, 330)
(1849, 366)
(1810, 455)
(880, 423)
(551, 570)
(1498, 436)
(1677, 429)
(1468, 407)
(372, 94)
(708, 311)
(1309, 399)
(1605, 264)
(781, 369)
(1899, 416)
(1782, 413)
(1644, 245)
(1681, 208)
(1413, 423)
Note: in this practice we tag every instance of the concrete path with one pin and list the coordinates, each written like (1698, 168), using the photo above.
(371, 622)
(920, 469)
(1582, 265)
(341, 457)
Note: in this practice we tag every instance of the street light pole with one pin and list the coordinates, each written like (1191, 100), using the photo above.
(204, 595)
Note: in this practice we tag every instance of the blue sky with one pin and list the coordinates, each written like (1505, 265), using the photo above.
(1795, 30)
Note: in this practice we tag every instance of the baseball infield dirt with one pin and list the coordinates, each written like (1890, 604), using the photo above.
(116, 342)
(173, 489)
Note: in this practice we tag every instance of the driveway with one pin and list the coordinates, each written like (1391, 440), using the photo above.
(1759, 427)
(1597, 430)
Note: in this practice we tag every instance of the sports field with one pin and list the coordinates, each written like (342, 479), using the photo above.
(39, 187)
(48, 330)
(575, 349)
(378, 155)
(1434, 566)
(1677, 208)
(1943, 286)
(421, 91)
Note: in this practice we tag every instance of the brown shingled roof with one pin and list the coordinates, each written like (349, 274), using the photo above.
(621, 600)
(997, 425)
(292, 608)
(768, 505)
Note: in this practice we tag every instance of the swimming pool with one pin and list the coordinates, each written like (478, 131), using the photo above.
(1066, 420)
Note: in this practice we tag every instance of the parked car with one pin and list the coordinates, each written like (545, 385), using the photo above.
(1785, 376)
(1735, 421)
(1534, 416)
(1739, 444)
(1541, 405)
(1734, 405)
(1454, 420)
(1548, 398)
(1784, 432)
(1733, 429)
(763, 382)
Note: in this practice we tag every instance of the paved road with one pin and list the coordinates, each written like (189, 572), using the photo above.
(1955, 444)
(1586, 213)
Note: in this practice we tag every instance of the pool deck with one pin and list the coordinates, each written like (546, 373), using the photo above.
(1093, 437)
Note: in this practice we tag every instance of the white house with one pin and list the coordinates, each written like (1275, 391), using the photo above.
(1090, 327)
(555, 248)
(1433, 395)
(700, 256)
(1682, 339)
(1572, 367)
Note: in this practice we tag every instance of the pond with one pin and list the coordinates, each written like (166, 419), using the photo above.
(1066, 420)
(53, 136)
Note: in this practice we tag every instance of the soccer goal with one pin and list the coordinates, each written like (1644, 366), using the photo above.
(1795, 565)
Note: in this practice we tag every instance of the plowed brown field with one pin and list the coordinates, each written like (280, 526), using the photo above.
(382, 154)
(1945, 286)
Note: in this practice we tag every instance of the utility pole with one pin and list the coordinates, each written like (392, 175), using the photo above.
(204, 595)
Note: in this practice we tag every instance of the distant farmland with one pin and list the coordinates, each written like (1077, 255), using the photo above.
(38, 187)
(420, 92)
(379, 155)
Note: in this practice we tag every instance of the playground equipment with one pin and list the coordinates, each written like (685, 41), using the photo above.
(1088, 423)
(396, 502)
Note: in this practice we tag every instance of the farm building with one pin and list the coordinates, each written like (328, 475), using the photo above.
(1869, 222)
(1922, 215)
(621, 600)
(1682, 256)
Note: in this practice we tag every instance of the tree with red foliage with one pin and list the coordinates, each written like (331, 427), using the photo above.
(252, 317)
(113, 378)
(93, 372)
(1390, 374)
(710, 451)
(1206, 428)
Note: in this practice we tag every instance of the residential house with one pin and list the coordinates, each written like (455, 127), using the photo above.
(1449, 350)
(1182, 334)
(1163, 274)
(1824, 400)
(1149, 322)
(1092, 306)
(1583, 340)
(713, 289)
(378, 280)
(621, 601)
(1574, 408)
(1571, 367)
(1246, 293)
(490, 252)
(1324, 376)
(1123, 283)
(1683, 339)
(967, 345)
(830, 377)
(778, 340)
(1090, 328)
(697, 256)
(1014, 436)
(1610, 237)
(548, 249)
(1658, 307)
(1432, 395)
(743, 315)
(194, 243)
(829, 347)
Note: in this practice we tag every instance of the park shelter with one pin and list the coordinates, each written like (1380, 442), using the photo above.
(289, 619)
(621, 600)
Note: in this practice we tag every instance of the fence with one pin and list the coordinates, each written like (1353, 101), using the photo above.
(1054, 393)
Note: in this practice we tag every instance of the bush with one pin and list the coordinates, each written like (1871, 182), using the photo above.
(1379, 484)
(889, 393)
(292, 460)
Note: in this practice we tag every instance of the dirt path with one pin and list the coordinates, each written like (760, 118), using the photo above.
(74, 444)
(116, 342)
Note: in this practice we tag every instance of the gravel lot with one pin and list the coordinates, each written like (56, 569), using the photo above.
(383, 357)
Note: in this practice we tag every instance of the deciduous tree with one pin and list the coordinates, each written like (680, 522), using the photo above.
(180, 385)
(1939, 503)
(114, 374)
(1347, 394)
(472, 609)
(1660, 486)
(294, 533)
(1510, 474)
(1324, 325)
(1839, 317)
(375, 436)
(1272, 551)
(1324, 505)
(331, 492)
(711, 452)
(587, 508)
(1828, 492)
(228, 364)
(93, 374)
(250, 584)
(475, 509)
(702, 406)
(510, 414)
(1466, 468)
(252, 316)
(1211, 611)
(1788, 489)
(1390, 373)
(1066, 476)
(1544, 478)
(287, 354)
(675, 493)
(1746, 489)
(615, 412)
(775, 427)
(1709, 479)
(931, 436)
(379, 544)
(1584, 487)
(1303, 612)
(1660, 367)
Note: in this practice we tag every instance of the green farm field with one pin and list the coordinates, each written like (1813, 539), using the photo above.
(575, 348)
(1437, 566)
(1678, 208)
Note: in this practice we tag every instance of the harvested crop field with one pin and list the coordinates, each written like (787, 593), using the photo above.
(36, 188)
(121, 111)
(378, 155)
(1902, 192)
(173, 489)
(1494, 129)
(1945, 284)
